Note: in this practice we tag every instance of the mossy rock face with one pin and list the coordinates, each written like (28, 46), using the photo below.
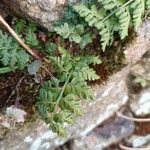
(43, 12)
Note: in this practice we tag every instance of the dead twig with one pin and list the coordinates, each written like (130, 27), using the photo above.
(133, 119)
(129, 148)
(35, 55)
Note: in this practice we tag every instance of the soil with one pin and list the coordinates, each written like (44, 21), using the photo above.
(19, 89)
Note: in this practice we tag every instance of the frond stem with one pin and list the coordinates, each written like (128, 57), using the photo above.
(62, 91)
(107, 17)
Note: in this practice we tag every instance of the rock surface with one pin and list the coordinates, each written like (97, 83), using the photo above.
(105, 135)
(3, 10)
(43, 12)
(140, 101)
(139, 141)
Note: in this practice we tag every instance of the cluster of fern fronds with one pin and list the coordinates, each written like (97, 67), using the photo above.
(59, 99)
(108, 17)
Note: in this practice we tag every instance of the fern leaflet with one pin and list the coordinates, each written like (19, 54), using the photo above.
(138, 8)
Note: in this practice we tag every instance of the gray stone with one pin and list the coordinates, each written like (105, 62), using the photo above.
(140, 45)
(140, 103)
(142, 68)
(105, 135)
(139, 141)
(3, 10)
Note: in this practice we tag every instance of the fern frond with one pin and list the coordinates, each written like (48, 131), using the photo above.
(71, 32)
(91, 59)
(91, 15)
(59, 97)
(105, 33)
(108, 4)
(70, 103)
(148, 4)
(123, 16)
(79, 88)
(86, 73)
(138, 8)
(64, 116)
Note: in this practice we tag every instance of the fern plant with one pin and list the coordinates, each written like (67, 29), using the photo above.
(113, 16)
(58, 102)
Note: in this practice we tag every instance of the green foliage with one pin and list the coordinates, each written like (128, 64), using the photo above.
(28, 32)
(11, 54)
(58, 102)
(113, 16)
(123, 16)
(138, 8)
(108, 4)
(31, 38)
(86, 39)
(148, 4)
(71, 32)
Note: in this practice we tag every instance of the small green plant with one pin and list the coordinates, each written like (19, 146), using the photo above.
(59, 100)
(140, 80)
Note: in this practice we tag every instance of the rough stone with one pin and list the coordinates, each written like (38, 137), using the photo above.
(139, 141)
(140, 45)
(3, 10)
(43, 12)
(142, 68)
(140, 103)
